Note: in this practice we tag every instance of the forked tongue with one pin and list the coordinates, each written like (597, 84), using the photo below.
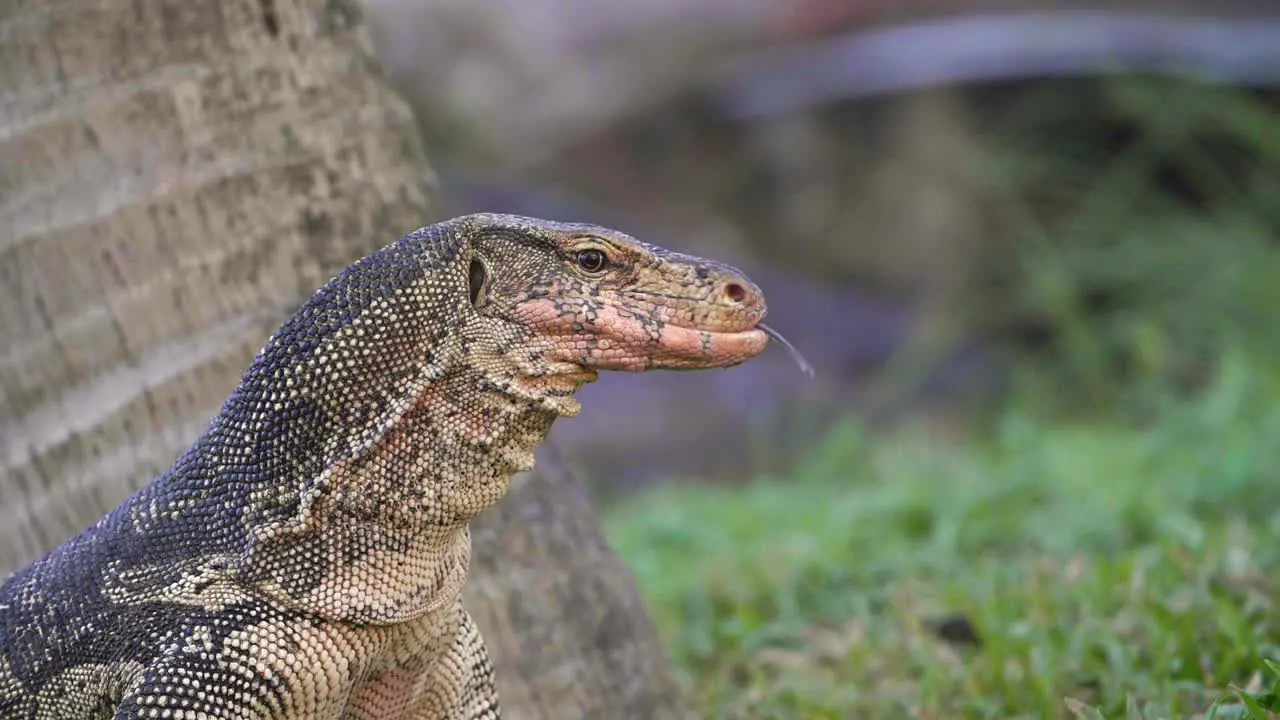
(804, 365)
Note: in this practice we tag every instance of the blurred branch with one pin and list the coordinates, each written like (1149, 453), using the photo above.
(985, 48)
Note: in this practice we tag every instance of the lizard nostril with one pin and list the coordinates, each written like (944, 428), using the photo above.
(735, 292)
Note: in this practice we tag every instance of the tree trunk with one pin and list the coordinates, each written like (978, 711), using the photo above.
(176, 176)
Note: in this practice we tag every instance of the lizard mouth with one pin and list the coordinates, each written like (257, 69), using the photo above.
(693, 349)
(675, 348)
(682, 348)
(612, 340)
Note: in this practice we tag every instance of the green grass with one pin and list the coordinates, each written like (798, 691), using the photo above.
(1109, 570)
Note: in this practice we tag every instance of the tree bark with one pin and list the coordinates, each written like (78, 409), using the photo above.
(176, 176)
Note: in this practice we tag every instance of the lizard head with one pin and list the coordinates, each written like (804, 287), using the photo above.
(592, 298)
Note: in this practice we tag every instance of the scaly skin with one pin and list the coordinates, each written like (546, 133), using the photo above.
(304, 558)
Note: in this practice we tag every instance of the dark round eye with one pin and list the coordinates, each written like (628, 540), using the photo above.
(591, 260)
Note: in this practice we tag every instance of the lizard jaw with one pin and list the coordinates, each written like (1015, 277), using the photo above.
(621, 342)
(618, 332)
(681, 348)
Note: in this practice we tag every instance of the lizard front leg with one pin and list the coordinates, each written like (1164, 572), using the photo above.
(179, 684)
(255, 664)
(479, 699)
(430, 676)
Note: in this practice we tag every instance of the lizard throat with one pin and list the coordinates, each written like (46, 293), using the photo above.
(391, 522)
(551, 392)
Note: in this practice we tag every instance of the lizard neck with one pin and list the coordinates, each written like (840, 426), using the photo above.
(389, 525)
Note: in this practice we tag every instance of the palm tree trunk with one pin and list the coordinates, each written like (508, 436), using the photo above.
(176, 176)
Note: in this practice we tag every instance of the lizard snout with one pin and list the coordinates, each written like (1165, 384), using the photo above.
(733, 303)
(743, 293)
(693, 314)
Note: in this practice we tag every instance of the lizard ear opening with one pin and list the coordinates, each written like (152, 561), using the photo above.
(478, 275)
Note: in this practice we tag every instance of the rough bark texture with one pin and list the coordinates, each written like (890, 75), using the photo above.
(176, 176)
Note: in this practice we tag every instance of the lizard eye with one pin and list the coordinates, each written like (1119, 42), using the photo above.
(592, 260)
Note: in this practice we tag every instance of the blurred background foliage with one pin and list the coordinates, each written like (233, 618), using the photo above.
(1141, 229)
(1035, 268)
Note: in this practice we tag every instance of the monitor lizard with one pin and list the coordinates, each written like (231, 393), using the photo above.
(304, 557)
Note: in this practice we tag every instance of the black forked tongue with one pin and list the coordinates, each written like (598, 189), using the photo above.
(804, 365)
